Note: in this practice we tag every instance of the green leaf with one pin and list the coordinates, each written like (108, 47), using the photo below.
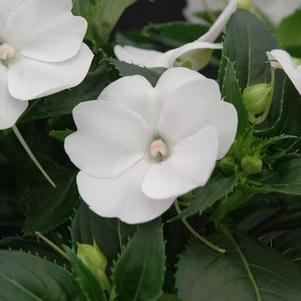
(109, 234)
(231, 92)
(175, 34)
(85, 278)
(32, 246)
(126, 69)
(289, 244)
(285, 179)
(60, 135)
(274, 123)
(29, 278)
(292, 111)
(247, 271)
(139, 272)
(10, 211)
(168, 297)
(288, 31)
(102, 16)
(81, 7)
(208, 195)
(63, 103)
(51, 207)
(247, 41)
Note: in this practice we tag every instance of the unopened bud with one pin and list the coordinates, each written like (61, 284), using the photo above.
(95, 261)
(251, 165)
(258, 99)
(227, 165)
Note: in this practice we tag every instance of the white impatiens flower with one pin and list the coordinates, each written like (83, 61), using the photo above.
(138, 148)
(41, 53)
(275, 10)
(281, 59)
(156, 59)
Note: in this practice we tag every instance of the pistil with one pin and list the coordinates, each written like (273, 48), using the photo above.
(7, 52)
(158, 150)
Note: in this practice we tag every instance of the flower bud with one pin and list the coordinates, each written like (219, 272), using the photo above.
(195, 59)
(257, 99)
(251, 165)
(244, 4)
(95, 261)
(228, 165)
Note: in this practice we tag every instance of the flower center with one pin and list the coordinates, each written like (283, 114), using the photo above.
(6, 52)
(158, 150)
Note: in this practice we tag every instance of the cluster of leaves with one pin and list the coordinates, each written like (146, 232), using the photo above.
(254, 214)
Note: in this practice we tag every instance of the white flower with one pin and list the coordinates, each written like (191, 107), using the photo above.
(281, 59)
(156, 59)
(41, 53)
(276, 10)
(138, 148)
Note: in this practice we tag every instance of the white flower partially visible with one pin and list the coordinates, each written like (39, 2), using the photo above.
(281, 59)
(41, 53)
(156, 59)
(138, 148)
(275, 10)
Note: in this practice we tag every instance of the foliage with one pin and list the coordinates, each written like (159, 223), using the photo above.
(250, 208)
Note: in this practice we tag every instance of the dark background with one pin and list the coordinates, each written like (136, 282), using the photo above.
(144, 12)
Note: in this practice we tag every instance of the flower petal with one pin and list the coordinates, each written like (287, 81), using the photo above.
(219, 25)
(11, 108)
(110, 138)
(186, 110)
(223, 117)
(277, 10)
(34, 16)
(287, 64)
(141, 57)
(30, 79)
(57, 43)
(195, 105)
(7, 7)
(121, 196)
(195, 6)
(189, 166)
(135, 93)
(174, 78)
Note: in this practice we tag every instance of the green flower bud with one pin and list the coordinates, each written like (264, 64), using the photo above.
(227, 165)
(195, 59)
(245, 4)
(251, 165)
(95, 261)
(258, 99)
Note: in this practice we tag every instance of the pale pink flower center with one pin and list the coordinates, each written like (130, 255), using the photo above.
(158, 150)
(6, 52)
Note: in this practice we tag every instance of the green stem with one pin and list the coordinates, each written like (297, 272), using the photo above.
(51, 244)
(119, 236)
(228, 234)
(232, 202)
(113, 295)
(31, 155)
(196, 234)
